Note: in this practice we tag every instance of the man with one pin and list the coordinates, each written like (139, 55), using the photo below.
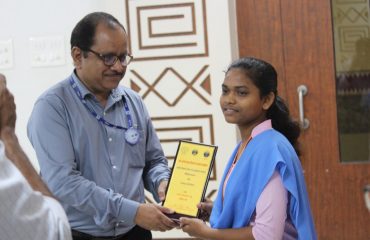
(27, 208)
(95, 142)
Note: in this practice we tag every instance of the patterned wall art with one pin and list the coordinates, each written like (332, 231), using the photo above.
(171, 78)
(167, 29)
(177, 66)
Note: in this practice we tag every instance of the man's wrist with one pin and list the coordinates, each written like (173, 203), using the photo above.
(128, 211)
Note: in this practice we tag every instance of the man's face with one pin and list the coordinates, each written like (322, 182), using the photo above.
(97, 76)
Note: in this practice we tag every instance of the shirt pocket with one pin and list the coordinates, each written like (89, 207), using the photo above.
(137, 152)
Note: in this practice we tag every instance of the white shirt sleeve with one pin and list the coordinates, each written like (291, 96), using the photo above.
(25, 213)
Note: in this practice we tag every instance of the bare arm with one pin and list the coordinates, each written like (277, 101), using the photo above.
(15, 153)
(12, 148)
(197, 228)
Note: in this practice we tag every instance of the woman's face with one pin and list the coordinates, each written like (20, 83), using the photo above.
(241, 102)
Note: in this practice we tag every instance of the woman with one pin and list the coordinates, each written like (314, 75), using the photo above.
(262, 193)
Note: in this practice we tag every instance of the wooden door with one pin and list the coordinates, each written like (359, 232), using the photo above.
(297, 38)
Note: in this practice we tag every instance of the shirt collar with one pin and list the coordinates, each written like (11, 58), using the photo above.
(84, 91)
(263, 126)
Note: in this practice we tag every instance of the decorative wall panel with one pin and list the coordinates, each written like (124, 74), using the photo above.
(167, 29)
(178, 71)
(171, 78)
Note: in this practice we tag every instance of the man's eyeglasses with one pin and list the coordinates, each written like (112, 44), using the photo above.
(111, 59)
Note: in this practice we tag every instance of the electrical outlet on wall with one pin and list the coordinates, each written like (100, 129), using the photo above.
(47, 51)
(6, 54)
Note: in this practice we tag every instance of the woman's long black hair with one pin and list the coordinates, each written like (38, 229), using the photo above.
(264, 76)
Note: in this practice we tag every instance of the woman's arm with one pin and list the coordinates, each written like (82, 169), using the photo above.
(269, 221)
(271, 210)
(198, 228)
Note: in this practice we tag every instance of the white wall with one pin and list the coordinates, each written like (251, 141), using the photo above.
(22, 19)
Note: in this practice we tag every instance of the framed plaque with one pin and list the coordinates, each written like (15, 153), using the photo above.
(189, 178)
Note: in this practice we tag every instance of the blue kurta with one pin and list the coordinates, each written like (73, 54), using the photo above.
(265, 153)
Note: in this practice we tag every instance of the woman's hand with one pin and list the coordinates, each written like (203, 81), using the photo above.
(194, 227)
(205, 209)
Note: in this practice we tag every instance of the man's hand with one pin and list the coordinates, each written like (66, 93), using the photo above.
(162, 190)
(151, 217)
(7, 106)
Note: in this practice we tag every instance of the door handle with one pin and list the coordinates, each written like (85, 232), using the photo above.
(367, 196)
(302, 91)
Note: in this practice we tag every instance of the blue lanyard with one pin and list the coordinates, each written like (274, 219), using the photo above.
(97, 116)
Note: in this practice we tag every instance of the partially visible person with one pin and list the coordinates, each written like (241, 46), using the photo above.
(95, 142)
(27, 208)
(263, 192)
